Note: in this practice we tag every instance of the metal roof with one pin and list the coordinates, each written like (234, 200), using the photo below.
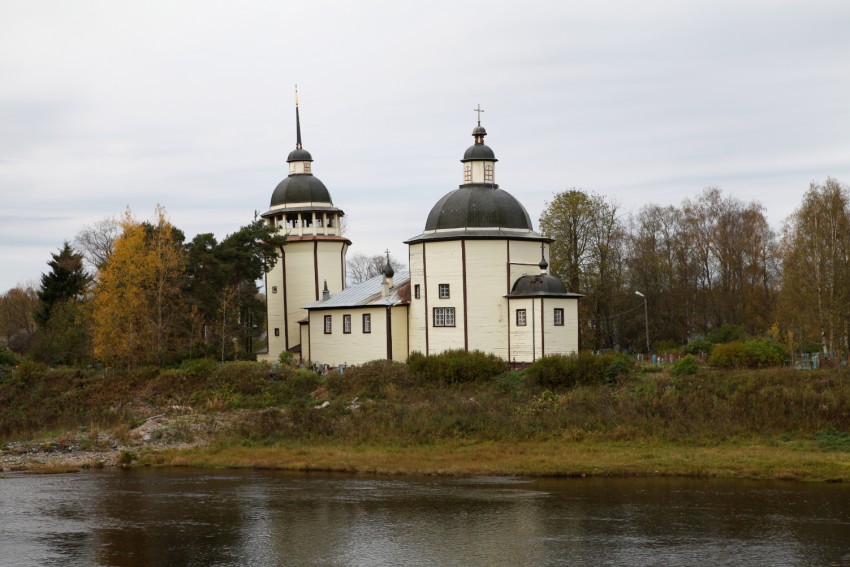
(368, 293)
(478, 206)
(300, 188)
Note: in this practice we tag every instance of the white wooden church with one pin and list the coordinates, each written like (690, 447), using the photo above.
(477, 281)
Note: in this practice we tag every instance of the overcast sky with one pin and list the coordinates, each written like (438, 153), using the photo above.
(108, 105)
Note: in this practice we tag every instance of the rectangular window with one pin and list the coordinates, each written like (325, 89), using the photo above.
(467, 173)
(276, 332)
(559, 317)
(444, 316)
(274, 289)
(306, 167)
(327, 324)
(488, 173)
(444, 291)
(416, 291)
(520, 317)
(367, 323)
(346, 324)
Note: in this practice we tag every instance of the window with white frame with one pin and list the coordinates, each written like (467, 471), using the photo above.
(520, 318)
(559, 317)
(367, 323)
(488, 173)
(346, 324)
(444, 316)
(467, 173)
(327, 324)
(444, 290)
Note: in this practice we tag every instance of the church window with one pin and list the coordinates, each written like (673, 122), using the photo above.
(520, 318)
(416, 292)
(330, 222)
(488, 173)
(306, 167)
(276, 332)
(559, 317)
(444, 316)
(467, 173)
(346, 324)
(327, 324)
(444, 290)
(274, 289)
(367, 323)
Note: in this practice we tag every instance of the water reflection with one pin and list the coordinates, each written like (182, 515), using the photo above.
(185, 517)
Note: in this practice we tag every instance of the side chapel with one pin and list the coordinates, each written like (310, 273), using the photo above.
(478, 277)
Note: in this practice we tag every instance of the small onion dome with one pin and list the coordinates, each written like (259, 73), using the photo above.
(543, 264)
(478, 152)
(388, 270)
(478, 206)
(299, 154)
(540, 285)
(300, 188)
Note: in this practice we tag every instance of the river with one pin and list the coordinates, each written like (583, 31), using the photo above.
(176, 517)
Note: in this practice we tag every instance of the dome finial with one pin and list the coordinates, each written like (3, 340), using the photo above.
(479, 132)
(479, 110)
(297, 122)
(543, 263)
(388, 269)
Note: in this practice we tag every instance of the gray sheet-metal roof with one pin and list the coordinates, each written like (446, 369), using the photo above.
(367, 293)
(494, 233)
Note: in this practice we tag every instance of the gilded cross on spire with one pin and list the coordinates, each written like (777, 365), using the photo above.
(479, 110)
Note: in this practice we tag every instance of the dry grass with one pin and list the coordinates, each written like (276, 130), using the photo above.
(543, 458)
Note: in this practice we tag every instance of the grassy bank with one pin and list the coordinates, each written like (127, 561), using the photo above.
(394, 418)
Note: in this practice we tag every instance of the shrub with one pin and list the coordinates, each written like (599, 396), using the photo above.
(198, 366)
(698, 347)
(728, 355)
(369, 379)
(8, 357)
(765, 352)
(685, 366)
(582, 368)
(456, 366)
(752, 354)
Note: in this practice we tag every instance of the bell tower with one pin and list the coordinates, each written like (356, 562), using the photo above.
(302, 209)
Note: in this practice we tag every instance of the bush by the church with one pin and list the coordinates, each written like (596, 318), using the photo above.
(370, 379)
(560, 371)
(685, 366)
(8, 358)
(760, 353)
(456, 366)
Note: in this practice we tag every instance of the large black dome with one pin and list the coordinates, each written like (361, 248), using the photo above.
(540, 284)
(478, 206)
(300, 188)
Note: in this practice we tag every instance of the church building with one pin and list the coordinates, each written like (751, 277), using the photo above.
(478, 277)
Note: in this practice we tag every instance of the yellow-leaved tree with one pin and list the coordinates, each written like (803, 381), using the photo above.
(138, 303)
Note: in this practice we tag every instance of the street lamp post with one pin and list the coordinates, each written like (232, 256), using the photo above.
(646, 318)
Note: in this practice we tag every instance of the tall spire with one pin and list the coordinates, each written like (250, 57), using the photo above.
(297, 121)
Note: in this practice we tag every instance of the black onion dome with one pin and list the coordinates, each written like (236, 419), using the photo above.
(540, 284)
(478, 206)
(388, 270)
(299, 154)
(478, 152)
(300, 188)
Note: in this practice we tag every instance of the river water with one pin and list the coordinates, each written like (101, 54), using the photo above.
(207, 518)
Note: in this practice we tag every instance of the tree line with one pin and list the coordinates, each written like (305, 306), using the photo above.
(130, 292)
(710, 267)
